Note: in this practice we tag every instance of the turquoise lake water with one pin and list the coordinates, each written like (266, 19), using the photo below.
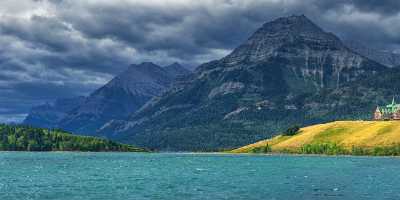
(167, 176)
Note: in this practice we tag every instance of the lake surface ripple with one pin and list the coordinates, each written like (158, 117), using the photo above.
(174, 176)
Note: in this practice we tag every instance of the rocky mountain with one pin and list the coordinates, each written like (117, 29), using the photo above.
(384, 57)
(49, 115)
(288, 72)
(177, 70)
(120, 97)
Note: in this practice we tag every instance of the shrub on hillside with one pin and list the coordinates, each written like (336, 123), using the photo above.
(292, 130)
(263, 149)
(326, 148)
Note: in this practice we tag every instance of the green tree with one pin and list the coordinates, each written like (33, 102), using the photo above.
(292, 130)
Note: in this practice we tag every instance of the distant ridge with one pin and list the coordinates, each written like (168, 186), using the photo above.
(119, 98)
(387, 58)
(48, 115)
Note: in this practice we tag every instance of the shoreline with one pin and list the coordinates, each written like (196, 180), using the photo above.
(213, 153)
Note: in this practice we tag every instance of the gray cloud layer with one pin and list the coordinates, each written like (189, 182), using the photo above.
(62, 48)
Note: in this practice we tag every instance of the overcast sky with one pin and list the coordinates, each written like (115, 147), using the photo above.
(63, 48)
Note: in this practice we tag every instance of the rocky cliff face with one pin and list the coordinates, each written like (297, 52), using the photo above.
(122, 96)
(49, 115)
(306, 50)
(289, 71)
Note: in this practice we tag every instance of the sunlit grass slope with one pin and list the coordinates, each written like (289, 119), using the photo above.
(348, 135)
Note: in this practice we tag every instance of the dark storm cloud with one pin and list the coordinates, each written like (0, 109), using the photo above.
(41, 32)
(179, 30)
(386, 7)
(383, 7)
(375, 23)
(62, 48)
(182, 30)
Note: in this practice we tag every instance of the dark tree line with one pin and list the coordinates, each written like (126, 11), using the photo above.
(25, 138)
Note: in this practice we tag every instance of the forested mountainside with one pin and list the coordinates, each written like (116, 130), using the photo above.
(26, 138)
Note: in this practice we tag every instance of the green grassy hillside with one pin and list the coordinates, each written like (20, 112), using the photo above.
(25, 138)
(340, 137)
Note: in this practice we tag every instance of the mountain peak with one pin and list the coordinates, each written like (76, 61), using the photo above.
(296, 18)
(120, 97)
(176, 69)
(293, 19)
(147, 64)
(141, 73)
(143, 65)
(174, 65)
(299, 23)
(274, 37)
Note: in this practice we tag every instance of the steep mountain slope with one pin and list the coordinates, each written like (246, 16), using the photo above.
(289, 71)
(50, 114)
(346, 134)
(387, 58)
(120, 97)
